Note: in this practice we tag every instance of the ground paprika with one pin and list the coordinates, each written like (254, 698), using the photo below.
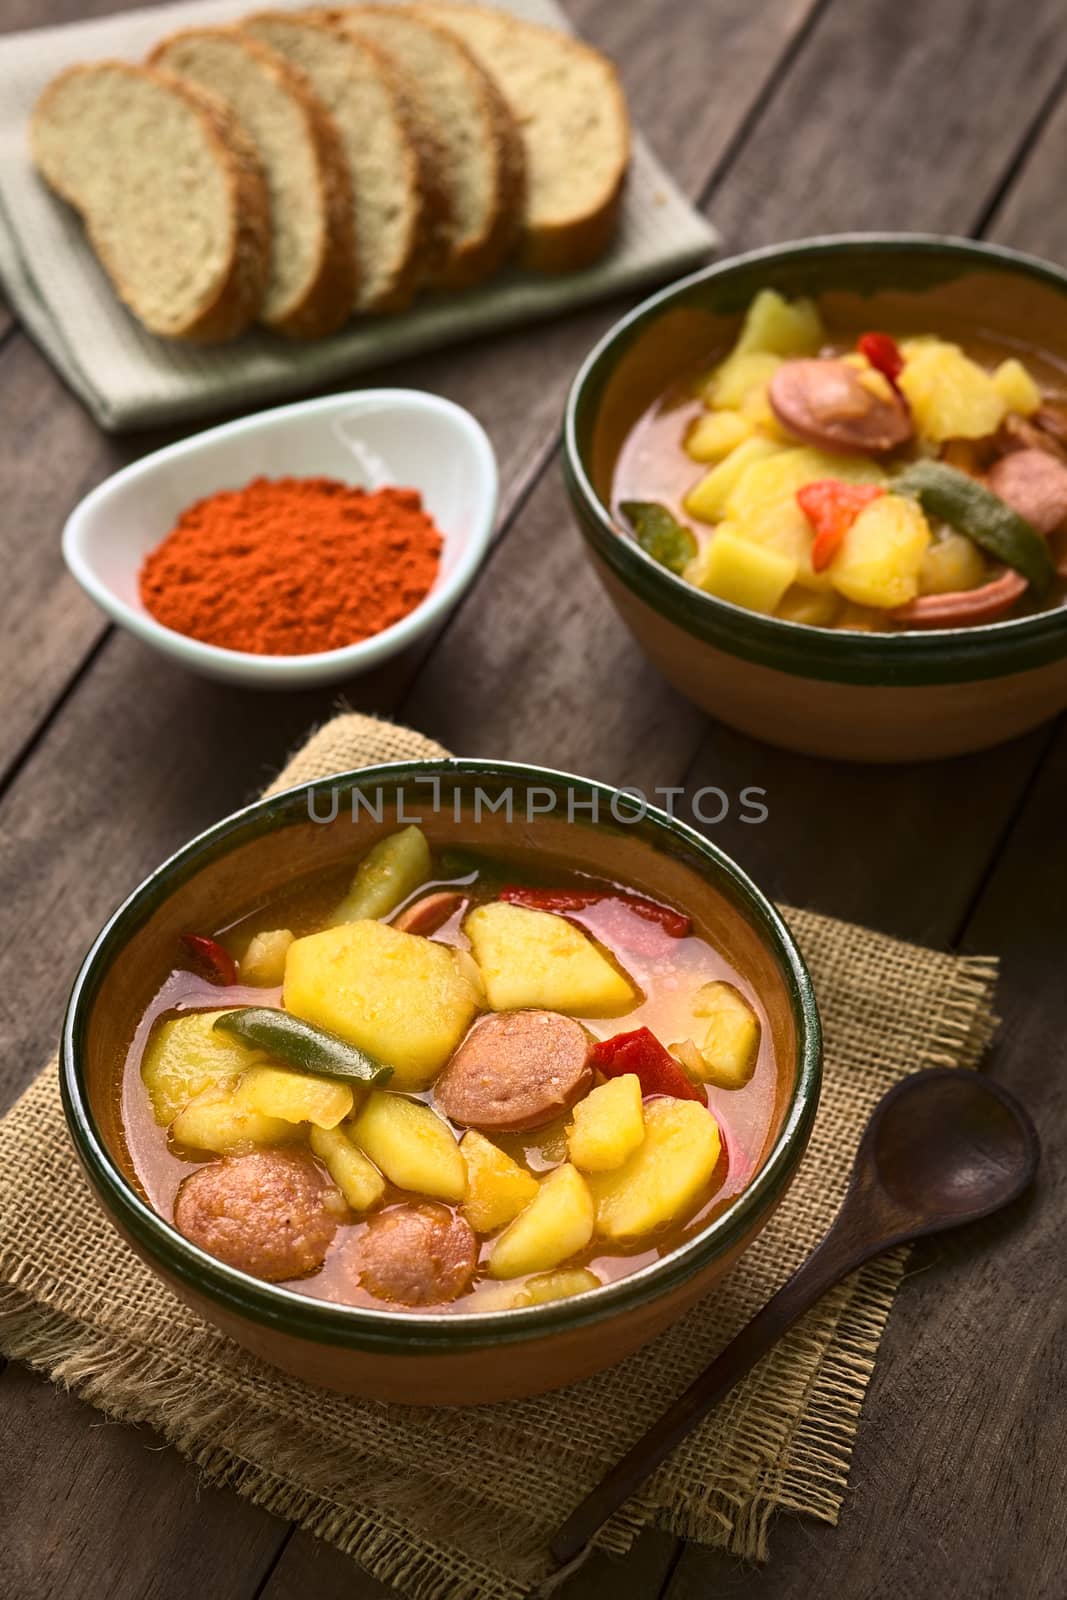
(292, 566)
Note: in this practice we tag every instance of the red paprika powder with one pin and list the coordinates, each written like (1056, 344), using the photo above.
(292, 566)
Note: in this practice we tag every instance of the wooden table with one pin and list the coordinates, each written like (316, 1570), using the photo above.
(783, 118)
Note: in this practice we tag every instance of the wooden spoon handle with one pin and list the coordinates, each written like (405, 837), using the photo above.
(840, 1252)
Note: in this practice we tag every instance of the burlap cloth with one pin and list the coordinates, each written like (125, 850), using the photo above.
(130, 379)
(457, 1504)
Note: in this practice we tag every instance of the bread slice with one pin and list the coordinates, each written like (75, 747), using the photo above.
(569, 103)
(312, 283)
(470, 121)
(387, 168)
(170, 190)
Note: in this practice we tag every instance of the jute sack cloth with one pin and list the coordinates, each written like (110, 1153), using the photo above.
(457, 1504)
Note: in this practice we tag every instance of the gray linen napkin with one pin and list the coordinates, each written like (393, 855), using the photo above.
(128, 378)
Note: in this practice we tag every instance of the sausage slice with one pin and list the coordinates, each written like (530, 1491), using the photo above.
(1033, 483)
(265, 1213)
(825, 403)
(516, 1070)
(419, 1255)
(425, 916)
(964, 607)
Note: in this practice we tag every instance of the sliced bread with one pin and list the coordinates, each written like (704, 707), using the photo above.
(468, 118)
(170, 190)
(312, 283)
(387, 167)
(567, 99)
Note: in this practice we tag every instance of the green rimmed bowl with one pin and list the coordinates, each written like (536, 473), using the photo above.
(433, 1358)
(854, 696)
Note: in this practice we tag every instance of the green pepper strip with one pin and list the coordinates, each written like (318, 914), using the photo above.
(302, 1045)
(660, 534)
(972, 509)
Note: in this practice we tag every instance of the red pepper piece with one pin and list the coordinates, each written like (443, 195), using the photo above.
(216, 961)
(884, 355)
(831, 507)
(641, 1052)
(676, 923)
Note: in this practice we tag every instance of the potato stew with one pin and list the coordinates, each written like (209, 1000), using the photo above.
(451, 1083)
(865, 483)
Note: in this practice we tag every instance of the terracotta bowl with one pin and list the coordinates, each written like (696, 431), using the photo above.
(854, 696)
(433, 1358)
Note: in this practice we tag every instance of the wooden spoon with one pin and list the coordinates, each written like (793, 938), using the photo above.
(942, 1148)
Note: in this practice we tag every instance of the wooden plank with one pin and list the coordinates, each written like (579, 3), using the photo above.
(51, 624)
(20, 14)
(136, 1524)
(886, 123)
(307, 1566)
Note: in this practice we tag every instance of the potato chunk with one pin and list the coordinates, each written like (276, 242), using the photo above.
(556, 1224)
(816, 608)
(951, 396)
(412, 1145)
(554, 1286)
(498, 1188)
(784, 327)
(608, 1125)
(712, 437)
(706, 500)
(1017, 388)
(951, 563)
(390, 871)
(184, 1056)
(263, 963)
(665, 1178)
(534, 960)
(731, 1043)
(402, 998)
(881, 555)
(357, 1178)
(744, 573)
(743, 375)
(294, 1096)
(215, 1120)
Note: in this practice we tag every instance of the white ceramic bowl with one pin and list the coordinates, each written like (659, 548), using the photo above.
(370, 438)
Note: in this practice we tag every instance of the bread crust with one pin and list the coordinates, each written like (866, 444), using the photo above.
(326, 303)
(468, 261)
(235, 301)
(435, 233)
(427, 177)
(566, 246)
(397, 294)
(481, 261)
(576, 244)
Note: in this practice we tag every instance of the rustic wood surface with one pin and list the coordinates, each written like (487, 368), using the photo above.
(781, 119)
